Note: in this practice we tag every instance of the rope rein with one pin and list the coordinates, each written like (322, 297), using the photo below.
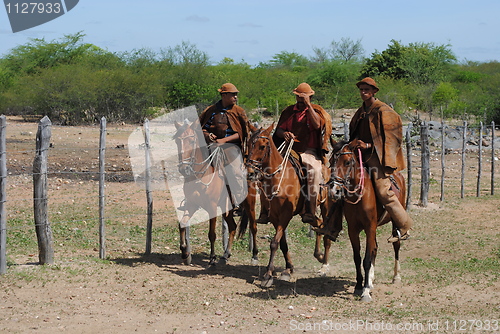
(359, 188)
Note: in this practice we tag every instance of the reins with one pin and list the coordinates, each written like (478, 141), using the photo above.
(214, 159)
(287, 148)
(360, 187)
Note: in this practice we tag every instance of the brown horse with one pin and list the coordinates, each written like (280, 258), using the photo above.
(205, 187)
(351, 182)
(281, 188)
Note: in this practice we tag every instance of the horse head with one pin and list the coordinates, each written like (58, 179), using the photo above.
(258, 152)
(345, 180)
(186, 139)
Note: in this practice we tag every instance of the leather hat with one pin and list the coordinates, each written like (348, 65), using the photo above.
(228, 88)
(368, 81)
(303, 88)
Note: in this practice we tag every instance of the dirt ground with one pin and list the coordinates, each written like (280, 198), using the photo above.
(450, 267)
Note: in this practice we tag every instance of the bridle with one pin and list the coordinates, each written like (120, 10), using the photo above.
(257, 164)
(345, 182)
(188, 166)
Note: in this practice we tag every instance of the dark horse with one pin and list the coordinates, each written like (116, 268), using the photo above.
(281, 188)
(351, 182)
(205, 187)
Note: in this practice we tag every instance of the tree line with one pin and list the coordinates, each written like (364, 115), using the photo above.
(74, 82)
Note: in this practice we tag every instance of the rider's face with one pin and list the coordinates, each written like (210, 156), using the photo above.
(229, 99)
(366, 92)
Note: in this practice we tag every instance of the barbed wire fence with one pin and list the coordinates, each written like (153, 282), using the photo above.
(100, 183)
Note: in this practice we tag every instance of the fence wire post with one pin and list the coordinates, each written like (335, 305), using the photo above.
(480, 160)
(3, 196)
(409, 166)
(149, 197)
(102, 202)
(443, 163)
(40, 200)
(425, 172)
(493, 158)
(464, 142)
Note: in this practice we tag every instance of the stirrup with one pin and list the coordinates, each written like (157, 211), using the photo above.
(398, 237)
(263, 219)
(308, 218)
(332, 235)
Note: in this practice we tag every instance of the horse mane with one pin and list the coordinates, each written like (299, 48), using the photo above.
(180, 130)
(338, 145)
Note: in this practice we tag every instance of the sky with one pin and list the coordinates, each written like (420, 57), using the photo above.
(254, 31)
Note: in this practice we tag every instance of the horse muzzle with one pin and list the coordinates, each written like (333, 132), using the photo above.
(335, 191)
(185, 170)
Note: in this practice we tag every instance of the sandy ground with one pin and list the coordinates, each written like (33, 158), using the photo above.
(450, 269)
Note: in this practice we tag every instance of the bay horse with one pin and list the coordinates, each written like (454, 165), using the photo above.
(204, 187)
(351, 182)
(281, 188)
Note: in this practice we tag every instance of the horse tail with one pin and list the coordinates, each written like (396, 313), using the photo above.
(243, 225)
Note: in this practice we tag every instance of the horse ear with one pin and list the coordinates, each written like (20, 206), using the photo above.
(177, 125)
(269, 129)
(252, 127)
(333, 142)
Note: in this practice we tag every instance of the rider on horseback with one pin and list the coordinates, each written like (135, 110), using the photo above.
(225, 123)
(310, 127)
(377, 130)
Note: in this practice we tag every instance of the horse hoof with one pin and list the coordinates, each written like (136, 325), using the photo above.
(187, 260)
(358, 292)
(325, 269)
(396, 280)
(267, 282)
(254, 262)
(366, 298)
(285, 276)
(223, 261)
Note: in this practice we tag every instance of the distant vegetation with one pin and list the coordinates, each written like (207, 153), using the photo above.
(74, 82)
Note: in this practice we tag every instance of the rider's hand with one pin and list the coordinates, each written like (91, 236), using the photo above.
(288, 136)
(359, 144)
(212, 137)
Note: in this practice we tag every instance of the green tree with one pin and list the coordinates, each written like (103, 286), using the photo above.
(419, 63)
(345, 50)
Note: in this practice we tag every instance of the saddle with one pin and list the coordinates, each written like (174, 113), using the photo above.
(296, 162)
(394, 186)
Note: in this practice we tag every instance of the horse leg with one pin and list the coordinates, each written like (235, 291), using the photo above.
(396, 279)
(356, 250)
(249, 206)
(212, 236)
(369, 261)
(286, 274)
(231, 224)
(320, 256)
(185, 247)
(267, 280)
(325, 267)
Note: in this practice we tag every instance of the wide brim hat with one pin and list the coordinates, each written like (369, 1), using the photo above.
(303, 88)
(368, 81)
(228, 88)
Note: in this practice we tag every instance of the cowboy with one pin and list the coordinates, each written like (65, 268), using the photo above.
(377, 130)
(225, 123)
(309, 126)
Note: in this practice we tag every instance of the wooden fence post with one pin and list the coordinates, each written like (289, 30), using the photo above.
(480, 160)
(425, 158)
(42, 225)
(443, 164)
(464, 142)
(409, 166)
(149, 197)
(102, 202)
(3, 196)
(493, 158)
